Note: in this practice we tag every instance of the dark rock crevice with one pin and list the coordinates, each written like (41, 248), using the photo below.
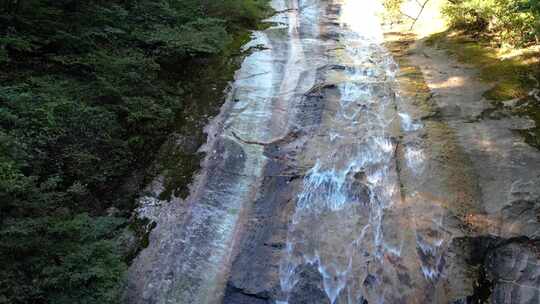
(238, 295)
(507, 270)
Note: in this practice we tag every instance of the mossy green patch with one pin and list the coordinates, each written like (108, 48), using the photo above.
(512, 77)
(532, 110)
(410, 77)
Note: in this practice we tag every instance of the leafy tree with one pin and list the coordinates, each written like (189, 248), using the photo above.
(88, 93)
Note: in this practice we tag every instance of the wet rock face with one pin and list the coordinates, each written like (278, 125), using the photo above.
(240, 296)
(514, 269)
(359, 188)
(255, 268)
(497, 247)
(507, 270)
(309, 289)
(521, 213)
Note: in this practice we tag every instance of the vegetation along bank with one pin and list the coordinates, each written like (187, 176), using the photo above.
(499, 38)
(89, 92)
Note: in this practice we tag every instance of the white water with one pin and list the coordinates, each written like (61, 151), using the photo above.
(339, 225)
(333, 224)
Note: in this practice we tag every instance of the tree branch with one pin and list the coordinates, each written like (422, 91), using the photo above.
(422, 7)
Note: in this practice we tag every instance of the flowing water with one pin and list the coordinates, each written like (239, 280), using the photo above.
(301, 198)
(348, 208)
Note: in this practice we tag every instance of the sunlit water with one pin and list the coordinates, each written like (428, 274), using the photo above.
(339, 226)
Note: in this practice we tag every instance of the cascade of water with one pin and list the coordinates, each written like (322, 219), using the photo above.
(325, 92)
(338, 223)
(345, 225)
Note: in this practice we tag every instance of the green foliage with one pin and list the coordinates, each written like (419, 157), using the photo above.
(532, 6)
(69, 258)
(515, 22)
(246, 12)
(392, 9)
(3, 55)
(202, 36)
(88, 92)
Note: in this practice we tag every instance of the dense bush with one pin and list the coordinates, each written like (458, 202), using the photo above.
(516, 22)
(85, 100)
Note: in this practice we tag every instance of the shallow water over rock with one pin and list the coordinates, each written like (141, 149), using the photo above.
(320, 183)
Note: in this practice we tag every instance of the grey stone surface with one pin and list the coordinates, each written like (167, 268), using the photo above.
(507, 172)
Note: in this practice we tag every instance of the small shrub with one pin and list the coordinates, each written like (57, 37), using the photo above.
(514, 22)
